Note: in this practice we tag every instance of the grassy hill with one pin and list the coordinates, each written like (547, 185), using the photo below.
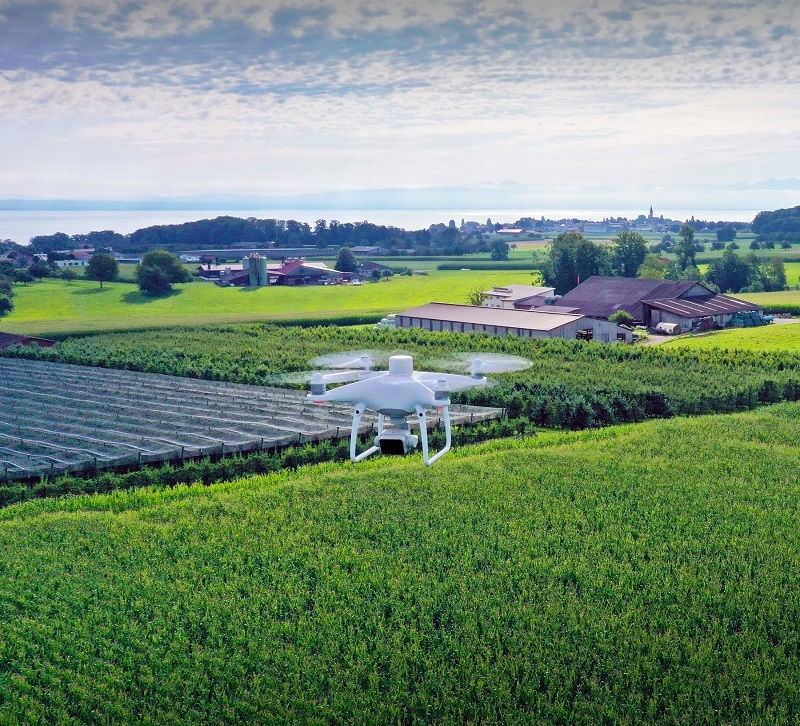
(637, 574)
(54, 306)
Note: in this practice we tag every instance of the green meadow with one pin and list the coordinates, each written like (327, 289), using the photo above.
(55, 307)
(770, 338)
(637, 574)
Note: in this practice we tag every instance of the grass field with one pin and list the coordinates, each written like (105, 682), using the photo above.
(766, 339)
(786, 297)
(54, 306)
(640, 574)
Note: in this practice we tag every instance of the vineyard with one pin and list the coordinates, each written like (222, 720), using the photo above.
(571, 384)
(56, 418)
(638, 574)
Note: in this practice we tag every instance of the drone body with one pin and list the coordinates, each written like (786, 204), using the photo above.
(396, 395)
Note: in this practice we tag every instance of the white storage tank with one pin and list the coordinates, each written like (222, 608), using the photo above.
(669, 328)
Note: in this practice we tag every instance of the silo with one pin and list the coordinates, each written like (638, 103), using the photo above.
(252, 268)
(263, 271)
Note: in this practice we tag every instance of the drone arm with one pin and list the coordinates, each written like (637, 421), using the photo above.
(358, 412)
(423, 434)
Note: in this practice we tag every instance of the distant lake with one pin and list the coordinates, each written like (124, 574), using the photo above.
(21, 226)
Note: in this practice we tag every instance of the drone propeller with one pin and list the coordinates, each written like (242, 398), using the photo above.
(332, 376)
(350, 359)
(445, 382)
(478, 364)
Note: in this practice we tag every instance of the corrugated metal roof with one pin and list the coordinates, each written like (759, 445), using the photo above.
(600, 297)
(556, 309)
(477, 315)
(518, 292)
(701, 306)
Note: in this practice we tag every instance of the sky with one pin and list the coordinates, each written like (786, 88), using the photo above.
(570, 103)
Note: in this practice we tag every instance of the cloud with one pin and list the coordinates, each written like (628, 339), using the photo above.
(218, 89)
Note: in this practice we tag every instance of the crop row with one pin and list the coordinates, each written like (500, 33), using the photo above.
(211, 470)
(571, 384)
(574, 581)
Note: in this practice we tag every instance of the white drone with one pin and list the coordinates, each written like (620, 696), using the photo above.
(399, 393)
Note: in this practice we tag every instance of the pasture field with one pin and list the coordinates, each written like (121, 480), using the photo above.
(770, 338)
(788, 298)
(639, 574)
(792, 268)
(55, 307)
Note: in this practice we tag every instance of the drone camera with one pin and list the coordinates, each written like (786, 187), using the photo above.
(396, 443)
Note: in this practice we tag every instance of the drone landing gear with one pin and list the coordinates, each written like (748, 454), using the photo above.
(396, 438)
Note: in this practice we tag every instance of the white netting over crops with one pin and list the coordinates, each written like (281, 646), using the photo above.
(56, 417)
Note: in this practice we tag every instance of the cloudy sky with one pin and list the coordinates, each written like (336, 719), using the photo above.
(556, 103)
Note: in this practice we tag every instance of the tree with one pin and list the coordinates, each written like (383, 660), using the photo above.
(685, 249)
(726, 234)
(499, 250)
(775, 273)
(22, 275)
(628, 252)
(152, 280)
(731, 273)
(573, 259)
(102, 267)
(621, 317)
(6, 306)
(346, 261)
(68, 275)
(39, 269)
(475, 296)
(652, 268)
(158, 270)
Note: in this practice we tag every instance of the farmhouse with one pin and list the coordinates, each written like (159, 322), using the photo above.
(366, 268)
(651, 302)
(519, 297)
(300, 272)
(447, 317)
(213, 273)
(9, 339)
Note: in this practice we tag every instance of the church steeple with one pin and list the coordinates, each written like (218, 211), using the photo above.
(651, 213)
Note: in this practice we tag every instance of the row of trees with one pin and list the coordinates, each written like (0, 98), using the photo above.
(782, 225)
(8, 276)
(573, 258)
(156, 274)
(232, 232)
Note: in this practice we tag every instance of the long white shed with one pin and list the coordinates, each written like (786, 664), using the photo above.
(448, 317)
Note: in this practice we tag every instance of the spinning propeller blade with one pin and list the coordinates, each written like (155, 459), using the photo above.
(477, 364)
(349, 359)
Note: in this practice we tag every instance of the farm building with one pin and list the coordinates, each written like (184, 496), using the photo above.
(651, 302)
(300, 272)
(213, 273)
(366, 268)
(9, 339)
(448, 317)
(520, 297)
(257, 271)
(369, 250)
